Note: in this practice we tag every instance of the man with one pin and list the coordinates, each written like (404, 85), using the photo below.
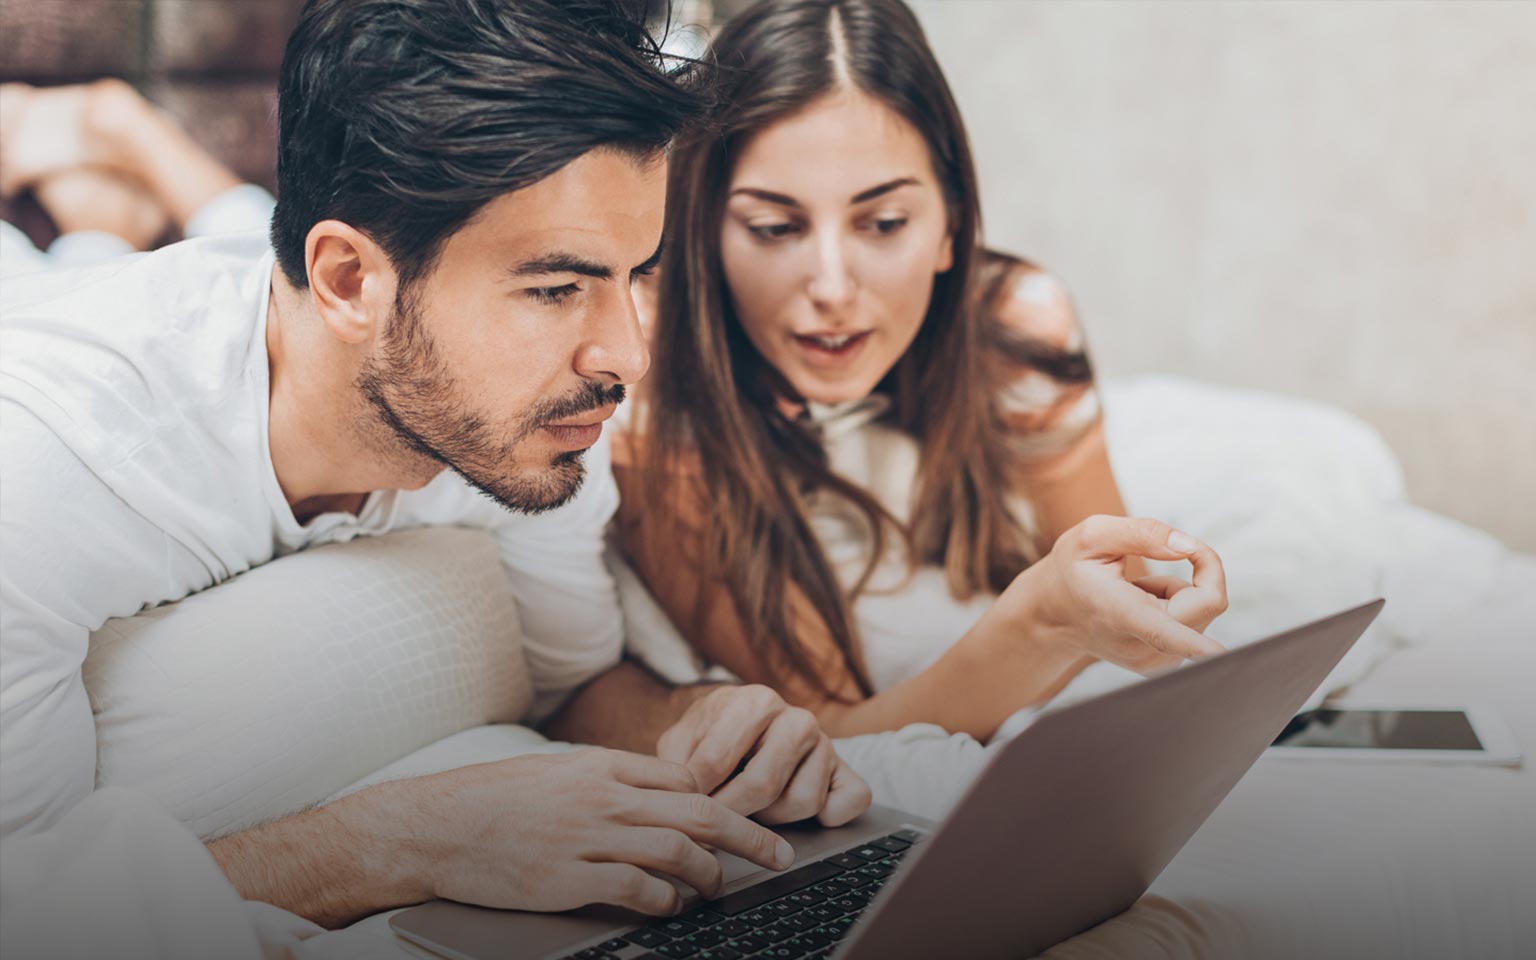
(440, 327)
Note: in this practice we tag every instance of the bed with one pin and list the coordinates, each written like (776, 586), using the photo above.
(1304, 859)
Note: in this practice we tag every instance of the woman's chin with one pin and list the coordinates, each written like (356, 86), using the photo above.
(826, 394)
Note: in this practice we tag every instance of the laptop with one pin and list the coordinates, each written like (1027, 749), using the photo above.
(1066, 826)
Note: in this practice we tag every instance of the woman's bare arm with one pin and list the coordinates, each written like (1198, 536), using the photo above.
(1058, 427)
(966, 690)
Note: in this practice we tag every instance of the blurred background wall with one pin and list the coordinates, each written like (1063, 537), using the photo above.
(1332, 200)
(1335, 200)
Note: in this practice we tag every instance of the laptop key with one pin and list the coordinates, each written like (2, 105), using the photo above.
(647, 938)
(776, 933)
(675, 928)
(701, 917)
(911, 836)
(867, 853)
(893, 844)
(718, 953)
(800, 921)
(747, 944)
(846, 861)
(734, 928)
(614, 945)
(677, 948)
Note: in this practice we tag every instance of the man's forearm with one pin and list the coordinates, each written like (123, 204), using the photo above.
(627, 708)
(336, 863)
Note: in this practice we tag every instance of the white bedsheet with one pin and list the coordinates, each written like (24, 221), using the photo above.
(1303, 860)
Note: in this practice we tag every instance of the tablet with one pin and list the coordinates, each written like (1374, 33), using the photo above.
(1354, 730)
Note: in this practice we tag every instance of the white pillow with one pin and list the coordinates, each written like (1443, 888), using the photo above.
(271, 691)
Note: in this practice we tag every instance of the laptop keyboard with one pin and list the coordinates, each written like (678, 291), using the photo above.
(798, 915)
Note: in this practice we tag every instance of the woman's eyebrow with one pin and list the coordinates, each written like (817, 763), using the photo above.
(767, 195)
(883, 189)
(784, 200)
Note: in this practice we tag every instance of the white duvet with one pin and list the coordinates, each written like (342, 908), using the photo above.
(1303, 860)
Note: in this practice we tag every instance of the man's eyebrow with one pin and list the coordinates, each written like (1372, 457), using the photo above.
(860, 197)
(560, 263)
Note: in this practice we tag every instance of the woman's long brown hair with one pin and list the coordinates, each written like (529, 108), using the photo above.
(710, 410)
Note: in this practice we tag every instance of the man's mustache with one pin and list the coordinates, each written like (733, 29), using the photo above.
(590, 396)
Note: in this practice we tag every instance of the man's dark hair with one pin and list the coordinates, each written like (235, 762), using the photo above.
(403, 118)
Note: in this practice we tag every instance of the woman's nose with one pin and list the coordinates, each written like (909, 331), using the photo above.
(831, 284)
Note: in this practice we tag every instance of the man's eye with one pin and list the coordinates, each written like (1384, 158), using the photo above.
(771, 231)
(889, 225)
(553, 294)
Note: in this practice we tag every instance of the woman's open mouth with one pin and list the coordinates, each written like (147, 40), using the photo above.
(823, 349)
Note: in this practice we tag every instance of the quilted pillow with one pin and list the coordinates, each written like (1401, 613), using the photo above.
(275, 689)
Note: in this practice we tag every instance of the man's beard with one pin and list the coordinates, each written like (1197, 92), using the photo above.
(416, 399)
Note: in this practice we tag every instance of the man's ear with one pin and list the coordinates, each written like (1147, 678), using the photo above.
(351, 280)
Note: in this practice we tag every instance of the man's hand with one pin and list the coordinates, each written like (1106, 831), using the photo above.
(540, 832)
(559, 831)
(790, 772)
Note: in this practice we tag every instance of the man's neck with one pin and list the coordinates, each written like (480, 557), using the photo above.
(322, 459)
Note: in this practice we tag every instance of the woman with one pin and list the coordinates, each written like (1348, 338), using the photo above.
(851, 406)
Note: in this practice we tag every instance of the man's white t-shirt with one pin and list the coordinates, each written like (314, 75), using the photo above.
(133, 438)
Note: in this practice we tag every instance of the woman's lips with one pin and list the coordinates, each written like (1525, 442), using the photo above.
(831, 350)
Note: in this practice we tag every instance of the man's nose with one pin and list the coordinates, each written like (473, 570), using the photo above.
(616, 350)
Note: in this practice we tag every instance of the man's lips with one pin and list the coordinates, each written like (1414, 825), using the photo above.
(580, 432)
(591, 418)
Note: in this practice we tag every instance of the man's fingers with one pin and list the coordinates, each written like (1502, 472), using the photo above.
(666, 851)
(708, 821)
(848, 796)
(806, 792)
(789, 739)
(678, 741)
(721, 749)
(626, 885)
(650, 773)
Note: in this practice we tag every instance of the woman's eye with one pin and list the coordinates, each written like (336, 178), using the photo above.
(771, 231)
(553, 294)
(888, 225)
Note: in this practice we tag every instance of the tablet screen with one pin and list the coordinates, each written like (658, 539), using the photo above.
(1381, 730)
